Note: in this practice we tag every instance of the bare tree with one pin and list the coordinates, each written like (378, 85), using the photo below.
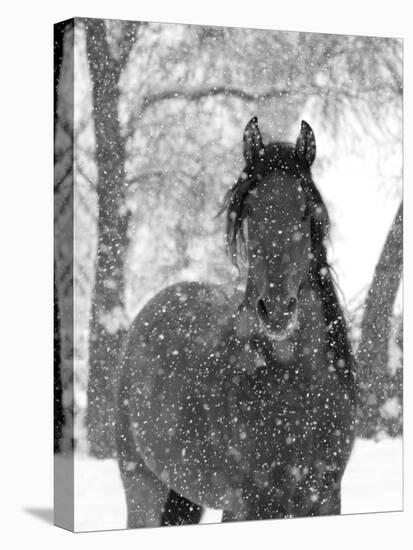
(107, 57)
(63, 235)
(375, 328)
(58, 412)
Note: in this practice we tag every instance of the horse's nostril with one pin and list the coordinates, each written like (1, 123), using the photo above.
(261, 310)
(292, 305)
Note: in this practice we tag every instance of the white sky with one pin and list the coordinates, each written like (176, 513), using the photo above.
(362, 198)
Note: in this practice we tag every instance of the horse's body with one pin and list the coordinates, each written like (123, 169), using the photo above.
(246, 408)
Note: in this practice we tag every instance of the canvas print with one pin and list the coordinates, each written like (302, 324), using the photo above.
(228, 312)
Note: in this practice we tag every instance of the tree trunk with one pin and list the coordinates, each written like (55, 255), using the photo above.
(63, 236)
(108, 318)
(375, 383)
(58, 415)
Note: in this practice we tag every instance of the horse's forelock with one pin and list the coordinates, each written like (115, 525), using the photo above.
(234, 205)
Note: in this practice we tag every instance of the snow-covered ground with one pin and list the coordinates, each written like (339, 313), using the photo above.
(373, 482)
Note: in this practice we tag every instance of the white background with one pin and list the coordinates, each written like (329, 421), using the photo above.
(26, 248)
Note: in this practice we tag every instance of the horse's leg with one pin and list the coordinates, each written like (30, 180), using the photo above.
(180, 511)
(149, 502)
(329, 498)
(255, 513)
(331, 502)
(257, 503)
(229, 516)
(145, 495)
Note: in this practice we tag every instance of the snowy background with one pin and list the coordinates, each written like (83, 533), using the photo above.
(183, 150)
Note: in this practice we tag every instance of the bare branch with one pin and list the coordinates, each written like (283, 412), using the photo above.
(82, 172)
(159, 174)
(197, 94)
(129, 32)
(200, 93)
(62, 178)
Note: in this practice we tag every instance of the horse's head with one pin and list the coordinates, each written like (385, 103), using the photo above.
(271, 208)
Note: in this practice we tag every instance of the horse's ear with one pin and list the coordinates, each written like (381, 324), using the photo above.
(305, 146)
(253, 142)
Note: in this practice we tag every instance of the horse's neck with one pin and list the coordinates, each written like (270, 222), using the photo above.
(311, 335)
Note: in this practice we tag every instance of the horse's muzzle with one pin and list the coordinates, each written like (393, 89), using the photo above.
(280, 324)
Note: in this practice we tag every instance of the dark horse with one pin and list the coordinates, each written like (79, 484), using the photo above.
(245, 407)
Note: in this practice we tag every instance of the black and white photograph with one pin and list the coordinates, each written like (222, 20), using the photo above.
(228, 258)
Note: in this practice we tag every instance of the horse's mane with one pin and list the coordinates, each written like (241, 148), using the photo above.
(282, 155)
